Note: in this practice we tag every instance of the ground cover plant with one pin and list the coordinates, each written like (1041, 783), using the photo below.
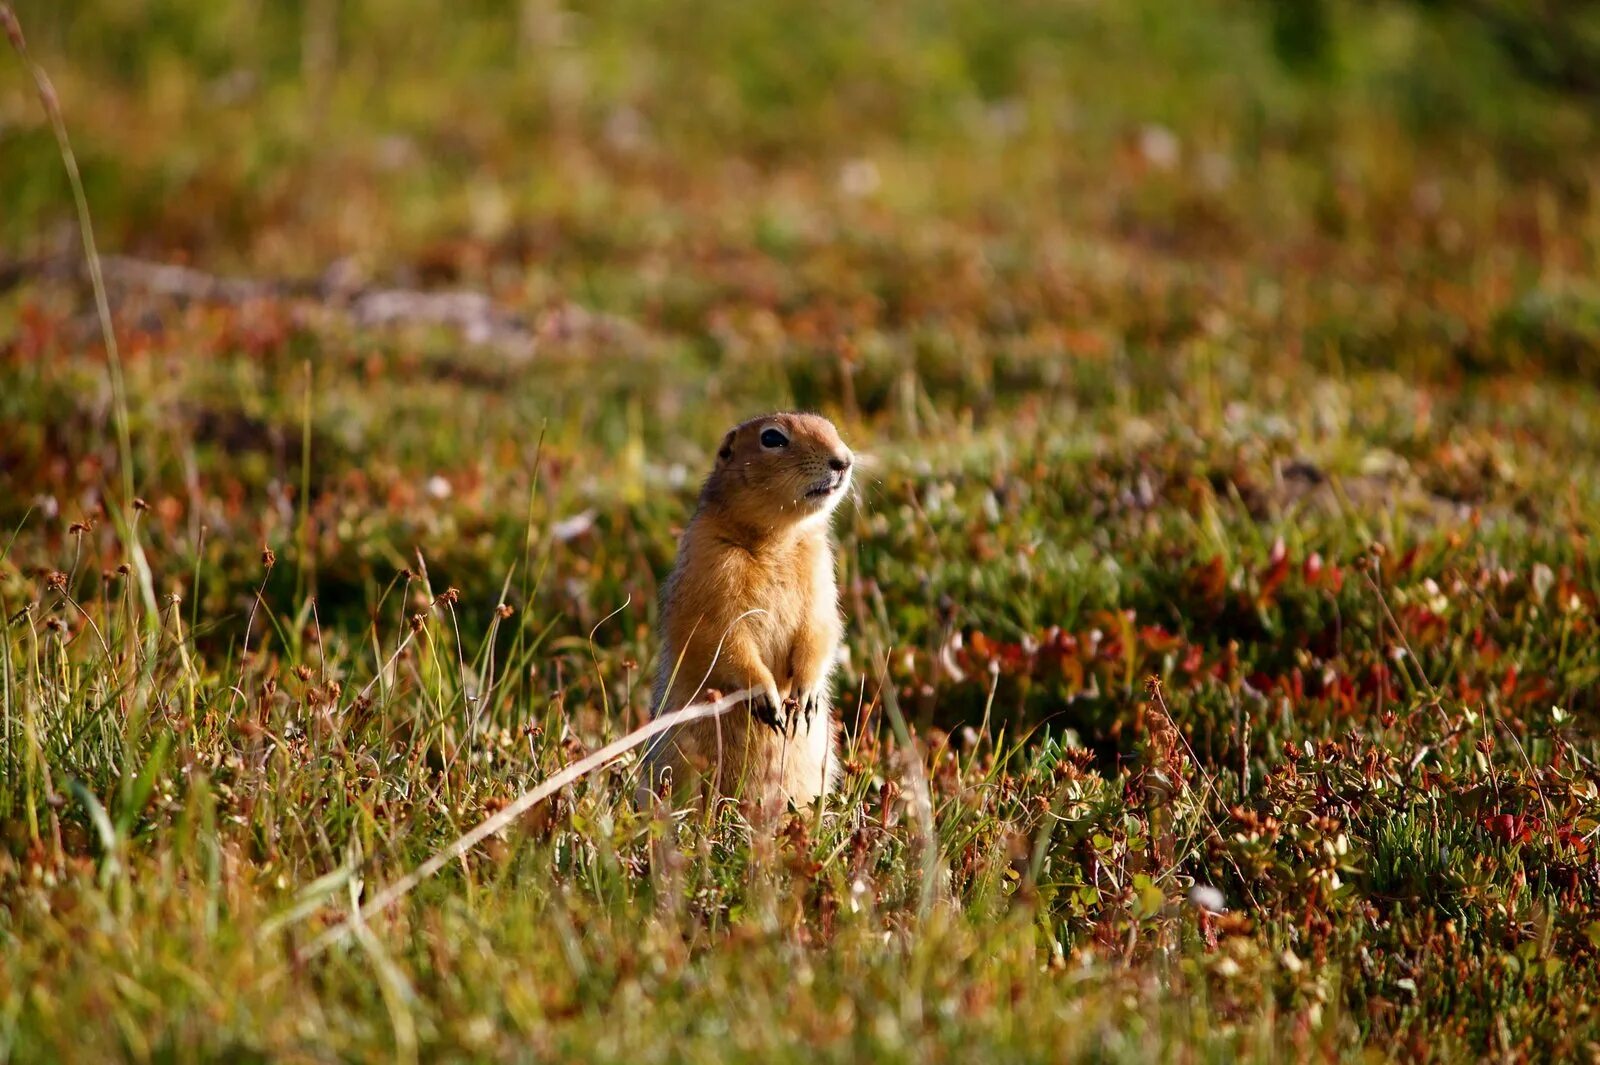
(1221, 590)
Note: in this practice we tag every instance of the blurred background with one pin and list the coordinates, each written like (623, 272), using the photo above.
(596, 147)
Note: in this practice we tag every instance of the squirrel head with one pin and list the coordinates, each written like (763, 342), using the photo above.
(778, 470)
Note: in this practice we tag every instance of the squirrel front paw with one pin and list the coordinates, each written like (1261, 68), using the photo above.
(768, 708)
(787, 715)
(811, 702)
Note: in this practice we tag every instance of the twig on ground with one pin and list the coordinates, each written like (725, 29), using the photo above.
(474, 315)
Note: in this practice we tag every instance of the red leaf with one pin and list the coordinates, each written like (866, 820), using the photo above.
(1500, 826)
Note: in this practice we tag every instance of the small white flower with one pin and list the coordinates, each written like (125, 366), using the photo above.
(1207, 898)
(573, 527)
(1160, 146)
(859, 178)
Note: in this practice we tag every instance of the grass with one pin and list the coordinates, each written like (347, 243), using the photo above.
(1171, 363)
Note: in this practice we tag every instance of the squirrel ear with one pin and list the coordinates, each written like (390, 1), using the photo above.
(726, 451)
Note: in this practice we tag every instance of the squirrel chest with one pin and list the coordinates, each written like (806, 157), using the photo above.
(787, 595)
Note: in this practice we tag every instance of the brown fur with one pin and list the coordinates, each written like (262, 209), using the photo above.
(752, 603)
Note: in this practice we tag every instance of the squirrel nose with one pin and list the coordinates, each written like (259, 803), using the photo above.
(839, 463)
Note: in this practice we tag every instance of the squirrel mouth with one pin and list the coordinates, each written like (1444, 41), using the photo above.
(827, 486)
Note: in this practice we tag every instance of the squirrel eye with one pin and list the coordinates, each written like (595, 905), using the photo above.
(773, 438)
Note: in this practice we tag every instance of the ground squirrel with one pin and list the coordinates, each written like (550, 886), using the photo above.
(752, 604)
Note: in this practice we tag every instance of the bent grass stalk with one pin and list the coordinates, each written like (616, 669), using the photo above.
(515, 809)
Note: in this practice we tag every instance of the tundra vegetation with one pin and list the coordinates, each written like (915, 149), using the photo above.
(1222, 673)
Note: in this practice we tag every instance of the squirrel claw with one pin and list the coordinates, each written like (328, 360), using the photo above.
(763, 710)
(780, 716)
(813, 701)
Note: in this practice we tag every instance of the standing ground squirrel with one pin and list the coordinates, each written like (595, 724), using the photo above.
(752, 603)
